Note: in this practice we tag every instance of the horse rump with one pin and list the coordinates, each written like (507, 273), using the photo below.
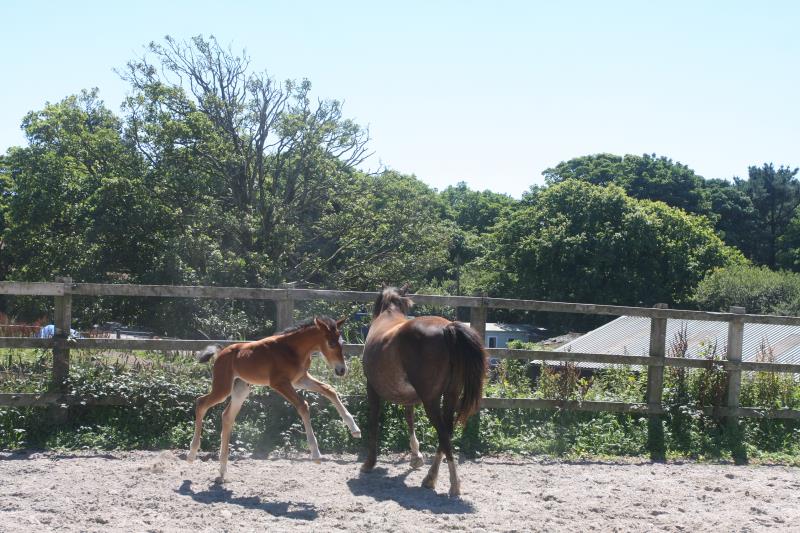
(469, 363)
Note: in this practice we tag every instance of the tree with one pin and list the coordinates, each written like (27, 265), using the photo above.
(775, 195)
(389, 227)
(645, 177)
(585, 243)
(736, 217)
(756, 288)
(257, 151)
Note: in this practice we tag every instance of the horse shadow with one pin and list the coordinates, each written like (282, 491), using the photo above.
(216, 493)
(382, 487)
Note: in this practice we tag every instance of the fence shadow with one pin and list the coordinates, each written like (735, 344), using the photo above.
(381, 487)
(218, 494)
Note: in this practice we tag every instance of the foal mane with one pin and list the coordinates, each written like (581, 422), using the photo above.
(308, 323)
(391, 296)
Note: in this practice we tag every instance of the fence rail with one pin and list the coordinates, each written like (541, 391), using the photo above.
(63, 289)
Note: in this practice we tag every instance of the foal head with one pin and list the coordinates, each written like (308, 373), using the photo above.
(391, 297)
(332, 343)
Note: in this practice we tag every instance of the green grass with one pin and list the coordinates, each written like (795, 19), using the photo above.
(161, 389)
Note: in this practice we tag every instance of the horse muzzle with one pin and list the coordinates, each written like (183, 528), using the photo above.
(340, 370)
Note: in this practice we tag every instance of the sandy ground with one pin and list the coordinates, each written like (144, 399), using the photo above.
(158, 491)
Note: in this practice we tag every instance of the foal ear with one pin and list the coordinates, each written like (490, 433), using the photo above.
(340, 322)
(320, 324)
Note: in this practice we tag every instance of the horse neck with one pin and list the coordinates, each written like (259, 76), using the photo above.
(303, 341)
(385, 320)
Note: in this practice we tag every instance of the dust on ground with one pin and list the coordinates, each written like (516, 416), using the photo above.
(159, 491)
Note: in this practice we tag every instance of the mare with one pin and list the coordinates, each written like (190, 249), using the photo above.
(280, 361)
(428, 360)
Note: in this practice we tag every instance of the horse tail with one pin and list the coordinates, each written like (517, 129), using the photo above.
(208, 353)
(469, 365)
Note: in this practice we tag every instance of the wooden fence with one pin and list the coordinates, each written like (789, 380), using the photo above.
(63, 289)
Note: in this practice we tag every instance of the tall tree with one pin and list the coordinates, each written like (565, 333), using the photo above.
(775, 194)
(585, 243)
(260, 153)
(646, 177)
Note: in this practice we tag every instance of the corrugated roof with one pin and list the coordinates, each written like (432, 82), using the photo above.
(511, 328)
(628, 335)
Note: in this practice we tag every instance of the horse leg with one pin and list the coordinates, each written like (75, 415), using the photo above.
(374, 402)
(240, 391)
(448, 417)
(444, 429)
(287, 391)
(308, 382)
(417, 460)
(220, 389)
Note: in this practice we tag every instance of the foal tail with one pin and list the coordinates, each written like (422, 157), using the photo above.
(469, 364)
(208, 352)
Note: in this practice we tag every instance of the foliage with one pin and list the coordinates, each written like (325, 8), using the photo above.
(586, 243)
(160, 391)
(758, 289)
(645, 177)
(775, 194)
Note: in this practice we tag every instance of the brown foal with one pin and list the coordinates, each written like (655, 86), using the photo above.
(282, 362)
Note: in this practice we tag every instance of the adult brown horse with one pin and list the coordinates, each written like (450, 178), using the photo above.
(282, 362)
(428, 360)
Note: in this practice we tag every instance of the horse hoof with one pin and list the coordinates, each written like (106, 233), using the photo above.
(220, 480)
(367, 467)
(455, 491)
(356, 434)
(429, 482)
(191, 457)
(417, 461)
(317, 459)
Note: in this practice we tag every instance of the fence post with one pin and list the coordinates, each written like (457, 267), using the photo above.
(470, 438)
(62, 322)
(655, 386)
(284, 310)
(477, 319)
(734, 383)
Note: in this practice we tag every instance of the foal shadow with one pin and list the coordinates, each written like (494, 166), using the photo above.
(216, 493)
(381, 487)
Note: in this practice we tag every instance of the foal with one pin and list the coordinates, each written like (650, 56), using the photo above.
(282, 362)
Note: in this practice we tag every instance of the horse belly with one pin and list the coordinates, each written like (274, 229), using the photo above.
(387, 377)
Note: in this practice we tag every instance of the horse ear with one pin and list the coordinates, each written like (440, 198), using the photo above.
(340, 322)
(404, 289)
(383, 285)
(320, 324)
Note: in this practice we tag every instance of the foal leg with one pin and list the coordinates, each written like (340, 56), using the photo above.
(374, 402)
(287, 391)
(416, 458)
(220, 389)
(307, 382)
(240, 391)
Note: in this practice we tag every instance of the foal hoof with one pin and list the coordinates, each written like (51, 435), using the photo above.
(417, 461)
(368, 466)
(429, 482)
(191, 457)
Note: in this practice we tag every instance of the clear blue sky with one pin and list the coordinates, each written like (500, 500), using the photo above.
(490, 93)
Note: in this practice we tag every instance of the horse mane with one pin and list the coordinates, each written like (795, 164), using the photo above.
(308, 323)
(391, 296)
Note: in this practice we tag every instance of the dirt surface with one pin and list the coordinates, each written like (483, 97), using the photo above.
(158, 491)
